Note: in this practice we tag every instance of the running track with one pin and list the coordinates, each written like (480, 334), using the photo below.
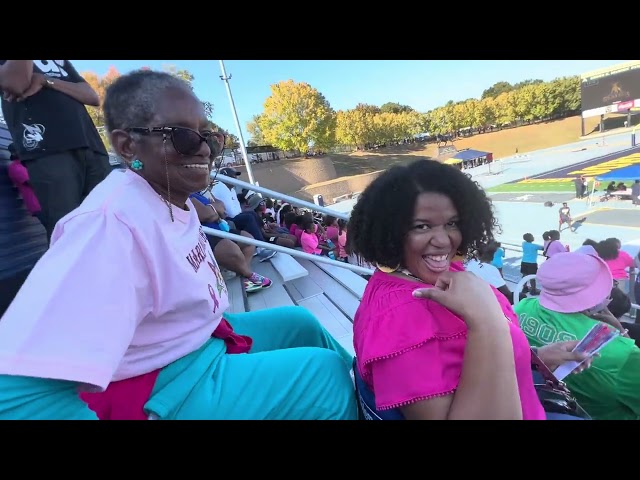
(565, 172)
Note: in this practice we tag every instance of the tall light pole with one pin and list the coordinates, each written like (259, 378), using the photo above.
(243, 149)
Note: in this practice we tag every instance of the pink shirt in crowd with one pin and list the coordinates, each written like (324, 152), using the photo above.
(554, 247)
(143, 291)
(342, 242)
(19, 175)
(332, 233)
(309, 242)
(297, 231)
(619, 265)
(395, 332)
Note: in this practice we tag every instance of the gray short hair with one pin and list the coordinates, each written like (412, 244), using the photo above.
(130, 101)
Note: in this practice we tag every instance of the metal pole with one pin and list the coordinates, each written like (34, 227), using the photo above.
(243, 149)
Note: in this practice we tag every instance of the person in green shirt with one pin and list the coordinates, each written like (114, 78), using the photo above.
(576, 290)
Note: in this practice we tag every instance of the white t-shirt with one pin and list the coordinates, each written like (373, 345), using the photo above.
(487, 272)
(122, 291)
(228, 197)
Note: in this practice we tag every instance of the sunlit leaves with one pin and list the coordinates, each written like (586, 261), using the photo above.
(296, 117)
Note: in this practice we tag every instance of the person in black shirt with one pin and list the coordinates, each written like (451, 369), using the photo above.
(43, 103)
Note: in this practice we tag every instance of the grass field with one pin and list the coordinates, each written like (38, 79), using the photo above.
(533, 187)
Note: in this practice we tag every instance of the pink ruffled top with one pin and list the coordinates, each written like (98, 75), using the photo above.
(411, 349)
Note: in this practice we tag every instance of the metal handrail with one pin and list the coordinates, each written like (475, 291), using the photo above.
(516, 248)
(287, 250)
(280, 196)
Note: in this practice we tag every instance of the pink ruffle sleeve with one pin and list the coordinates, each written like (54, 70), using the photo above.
(411, 349)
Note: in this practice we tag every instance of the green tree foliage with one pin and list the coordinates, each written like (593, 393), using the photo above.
(297, 117)
(392, 107)
(100, 84)
(253, 127)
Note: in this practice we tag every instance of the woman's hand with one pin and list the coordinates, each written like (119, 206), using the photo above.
(215, 216)
(555, 354)
(467, 296)
(607, 317)
(38, 81)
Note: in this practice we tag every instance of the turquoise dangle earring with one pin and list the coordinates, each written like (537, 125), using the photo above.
(137, 164)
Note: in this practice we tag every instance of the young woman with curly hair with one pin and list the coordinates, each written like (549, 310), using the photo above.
(433, 341)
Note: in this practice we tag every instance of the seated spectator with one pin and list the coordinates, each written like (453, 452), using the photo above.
(343, 255)
(621, 305)
(226, 194)
(331, 228)
(254, 205)
(576, 289)
(309, 239)
(483, 269)
(230, 255)
(296, 228)
(270, 210)
(126, 316)
(290, 223)
(282, 212)
(432, 341)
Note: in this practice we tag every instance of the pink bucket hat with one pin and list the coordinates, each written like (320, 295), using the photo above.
(574, 282)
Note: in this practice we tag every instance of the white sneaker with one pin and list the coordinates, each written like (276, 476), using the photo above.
(228, 274)
(265, 254)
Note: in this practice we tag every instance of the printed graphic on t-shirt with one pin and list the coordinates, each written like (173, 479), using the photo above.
(32, 135)
(52, 68)
(212, 292)
(220, 284)
(196, 258)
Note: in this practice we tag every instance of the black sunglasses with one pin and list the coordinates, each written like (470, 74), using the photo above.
(185, 140)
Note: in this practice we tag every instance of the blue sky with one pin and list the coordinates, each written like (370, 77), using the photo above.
(421, 84)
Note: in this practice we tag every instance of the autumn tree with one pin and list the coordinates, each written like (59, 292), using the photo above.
(296, 117)
(100, 85)
(497, 89)
(295, 110)
(253, 127)
(355, 127)
(231, 141)
(392, 107)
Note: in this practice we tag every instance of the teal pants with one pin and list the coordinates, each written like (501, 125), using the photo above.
(295, 371)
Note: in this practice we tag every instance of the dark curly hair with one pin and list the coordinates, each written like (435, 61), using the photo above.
(383, 215)
(620, 303)
(606, 249)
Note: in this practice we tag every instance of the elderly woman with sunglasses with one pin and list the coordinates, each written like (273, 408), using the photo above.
(124, 316)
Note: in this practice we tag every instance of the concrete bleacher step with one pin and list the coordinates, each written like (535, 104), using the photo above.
(303, 288)
(344, 299)
(287, 267)
(332, 303)
(332, 319)
(350, 280)
(274, 296)
(237, 299)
